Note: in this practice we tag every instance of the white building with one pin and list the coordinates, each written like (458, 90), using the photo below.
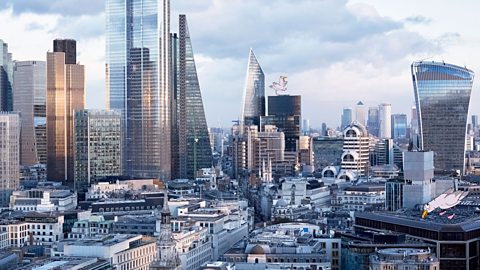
(95, 225)
(45, 228)
(301, 191)
(404, 259)
(194, 247)
(367, 195)
(122, 250)
(360, 113)
(9, 155)
(356, 148)
(17, 232)
(385, 117)
(43, 200)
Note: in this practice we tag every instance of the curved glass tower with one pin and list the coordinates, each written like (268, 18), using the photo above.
(442, 96)
(254, 95)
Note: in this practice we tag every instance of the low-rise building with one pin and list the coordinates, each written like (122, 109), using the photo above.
(68, 263)
(17, 232)
(44, 228)
(363, 196)
(404, 259)
(95, 225)
(43, 200)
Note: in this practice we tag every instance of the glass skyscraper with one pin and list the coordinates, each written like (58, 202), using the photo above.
(442, 95)
(254, 94)
(399, 126)
(191, 148)
(6, 78)
(347, 118)
(138, 82)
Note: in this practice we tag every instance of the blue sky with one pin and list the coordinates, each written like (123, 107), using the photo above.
(335, 52)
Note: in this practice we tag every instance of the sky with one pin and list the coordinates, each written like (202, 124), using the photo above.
(334, 52)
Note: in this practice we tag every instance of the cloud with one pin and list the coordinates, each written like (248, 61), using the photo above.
(84, 26)
(419, 19)
(60, 7)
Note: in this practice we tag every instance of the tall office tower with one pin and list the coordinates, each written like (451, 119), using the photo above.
(399, 126)
(305, 126)
(191, 149)
(254, 94)
(474, 122)
(69, 47)
(6, 78)
(245, 151)
(9, 155)
(356, 148)
(285, 113)
(324, 129)
(65, 94)
(373, 123)
(414, 132)
(30, 100)
(137, 65)
(360, 114)
(98, 146)
(347, 118)
(442, 95)
(385, 120)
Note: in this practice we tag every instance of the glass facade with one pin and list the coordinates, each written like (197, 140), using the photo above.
(6, 78)
(373, 122)
(30, 101)
(138, 82)
(65, 94)
(9, 155)
(97, 146)
(254, 94)
(347, 117)
(191, 148)
(399, 126)
(442, 96)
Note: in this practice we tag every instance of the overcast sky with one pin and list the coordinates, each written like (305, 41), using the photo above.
(335, 52)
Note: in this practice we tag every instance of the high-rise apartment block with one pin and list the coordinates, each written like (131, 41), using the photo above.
(254, 94)
(98, 146)
(30, 101)
(191, 148)
(65, 94)
(9, 155)
(6, 78)
(442, 95)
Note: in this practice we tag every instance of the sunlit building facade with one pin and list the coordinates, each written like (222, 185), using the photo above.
(138, 82)
(30, 101)
(191, 149)
(442, 95)
(9, 155)
(254, 94)
(65, 94)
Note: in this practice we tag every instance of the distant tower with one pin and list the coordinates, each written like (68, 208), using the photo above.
(373, 123)
(167, 257)
(9, 155)
(385, 115)
(65, 94)
(254, 93)
(6, 78)
(442, 94)
(324, 129)
(399, 126)
(347, 117)
(360, 116)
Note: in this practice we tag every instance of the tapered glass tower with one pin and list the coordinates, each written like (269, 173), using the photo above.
(254, 94)
(191, 149)
(442, 96)
(138, 82)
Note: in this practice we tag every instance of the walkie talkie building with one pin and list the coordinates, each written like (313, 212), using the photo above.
(442, 95)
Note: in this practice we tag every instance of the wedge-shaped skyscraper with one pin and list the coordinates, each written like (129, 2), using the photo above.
(442, 96)
(254, 94)
(191, 149)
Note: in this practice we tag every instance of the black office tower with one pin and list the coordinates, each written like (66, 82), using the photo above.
(69, 47)
(285, 113)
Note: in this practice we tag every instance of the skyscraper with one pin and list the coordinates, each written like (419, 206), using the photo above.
(414, 132)
(474, 121)
(69, 47)
(9, 155)
(285, 113)
(347, 117)
(191, 148)
(385, 121)
(254, 94)
(399, 126)
(138, 66)
(360, 113)
(65, 94)
(373, 123)
(29, 99)
(98, 146)
(442, 96)
(6, 78)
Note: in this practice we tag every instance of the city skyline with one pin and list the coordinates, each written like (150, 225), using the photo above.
(221, 46)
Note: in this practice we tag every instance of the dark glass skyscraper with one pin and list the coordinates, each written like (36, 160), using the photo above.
(442, 96)
(373, 122)
(254, 94)
(190, 139)
(69, 47)
(138, 82)
(6, 78)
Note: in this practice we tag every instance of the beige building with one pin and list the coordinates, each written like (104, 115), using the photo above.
(9, 155)
(404, 259)
(65, 94)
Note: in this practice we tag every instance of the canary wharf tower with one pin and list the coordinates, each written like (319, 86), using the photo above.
(138, 82)
(442, 95)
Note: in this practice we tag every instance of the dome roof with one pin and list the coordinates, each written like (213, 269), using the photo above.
(257, 250)
(281, 202)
